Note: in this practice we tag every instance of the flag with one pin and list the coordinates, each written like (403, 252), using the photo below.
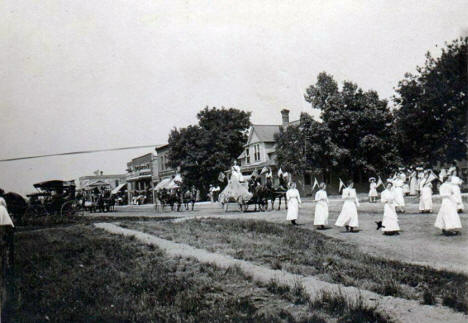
(341, 185)
(379, 182)
(315, 183)
(254, 173)
(280, 172)
(264, 170)
(221, 177)
(177, 179)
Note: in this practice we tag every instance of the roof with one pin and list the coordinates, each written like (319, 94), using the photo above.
(266, 133)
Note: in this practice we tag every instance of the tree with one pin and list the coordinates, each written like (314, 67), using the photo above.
(202, 151)
(432, 107)
(355, 135)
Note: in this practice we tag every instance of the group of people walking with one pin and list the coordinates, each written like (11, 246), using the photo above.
(393, 200)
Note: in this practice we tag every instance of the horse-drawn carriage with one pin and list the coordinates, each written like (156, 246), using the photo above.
(53, 197)
(254, 192)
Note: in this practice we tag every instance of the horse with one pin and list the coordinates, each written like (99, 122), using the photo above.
(190, 196)
(276, 192)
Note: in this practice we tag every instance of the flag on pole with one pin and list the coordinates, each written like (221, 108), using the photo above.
(280, 172)
(264, 170)
(221, 177)
(379, 182)
(254, 173)
(442, 174)
(341, 185)
(315, 183)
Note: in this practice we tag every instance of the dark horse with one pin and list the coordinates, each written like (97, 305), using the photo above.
(276, 192)
(190, 197)
(173, 197)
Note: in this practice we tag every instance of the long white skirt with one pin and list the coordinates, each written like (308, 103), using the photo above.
(399, 197)
(293, 209)
(390, 219)
(413, 187)
(373, 193)
(348, 215)
(458, 197)
(447, 218)
(234, 192)
(321, 213)
(425, 203)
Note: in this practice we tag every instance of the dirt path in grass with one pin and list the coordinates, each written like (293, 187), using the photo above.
(398, 309)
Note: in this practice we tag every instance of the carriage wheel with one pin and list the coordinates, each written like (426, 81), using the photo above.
(68, 208)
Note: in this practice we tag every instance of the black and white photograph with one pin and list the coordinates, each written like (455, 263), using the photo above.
(234, 161)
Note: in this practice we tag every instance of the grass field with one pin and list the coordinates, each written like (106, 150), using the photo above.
(307, 252)
(78, 273)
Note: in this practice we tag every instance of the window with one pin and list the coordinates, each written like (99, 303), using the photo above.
(247, 156)
(116, 182)
(257, 152)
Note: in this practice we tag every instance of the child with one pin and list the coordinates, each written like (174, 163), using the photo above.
(321, 207)
(348, 217)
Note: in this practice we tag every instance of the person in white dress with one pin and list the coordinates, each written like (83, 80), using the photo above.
(294, 203)
(413, 183)
(399, 195)
(389, 223)
(425, 200)
(373, 194)
(4, 216)
(456, 182)
(235, 190)
(447, 219)
(420, 177)
(348, 217)
(321, 207)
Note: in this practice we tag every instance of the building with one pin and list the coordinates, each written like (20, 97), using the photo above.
(109, 181)
(140, 173)
(260, 151)
(162, 170)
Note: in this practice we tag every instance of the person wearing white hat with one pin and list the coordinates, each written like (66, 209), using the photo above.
(399, 195)
(447, 219)
(425, 200)
(348, 217)
(293, 199)
(321, 207)
(389, 223)
(456, 182)
(373, 190)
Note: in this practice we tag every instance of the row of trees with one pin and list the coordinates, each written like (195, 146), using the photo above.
(358, 131)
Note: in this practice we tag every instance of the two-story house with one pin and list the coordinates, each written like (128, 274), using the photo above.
(260, 151)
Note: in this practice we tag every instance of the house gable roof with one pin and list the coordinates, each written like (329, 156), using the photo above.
(264, 133)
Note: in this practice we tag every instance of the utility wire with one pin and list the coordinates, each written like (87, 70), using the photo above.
(79, 152)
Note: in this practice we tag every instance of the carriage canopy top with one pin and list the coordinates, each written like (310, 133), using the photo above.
(54, 184)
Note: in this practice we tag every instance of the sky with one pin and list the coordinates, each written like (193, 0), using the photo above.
(79, 74)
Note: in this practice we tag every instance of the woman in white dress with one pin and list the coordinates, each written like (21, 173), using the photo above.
(294, 203)
(348, 217)
(373, 195)
(389, 222)
(321, 207)
(447, 219)
(399, 195)
(425, 200)
(235, 191)
(413, 184)
(4, 216)
(456, 182)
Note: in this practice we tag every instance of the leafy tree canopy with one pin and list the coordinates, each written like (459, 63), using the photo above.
(432, 107)
(202, 151)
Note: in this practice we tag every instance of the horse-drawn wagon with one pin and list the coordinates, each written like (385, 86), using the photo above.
(53, 197)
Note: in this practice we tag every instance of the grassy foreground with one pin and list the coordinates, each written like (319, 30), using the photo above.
(79, 273)
(309, 252)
